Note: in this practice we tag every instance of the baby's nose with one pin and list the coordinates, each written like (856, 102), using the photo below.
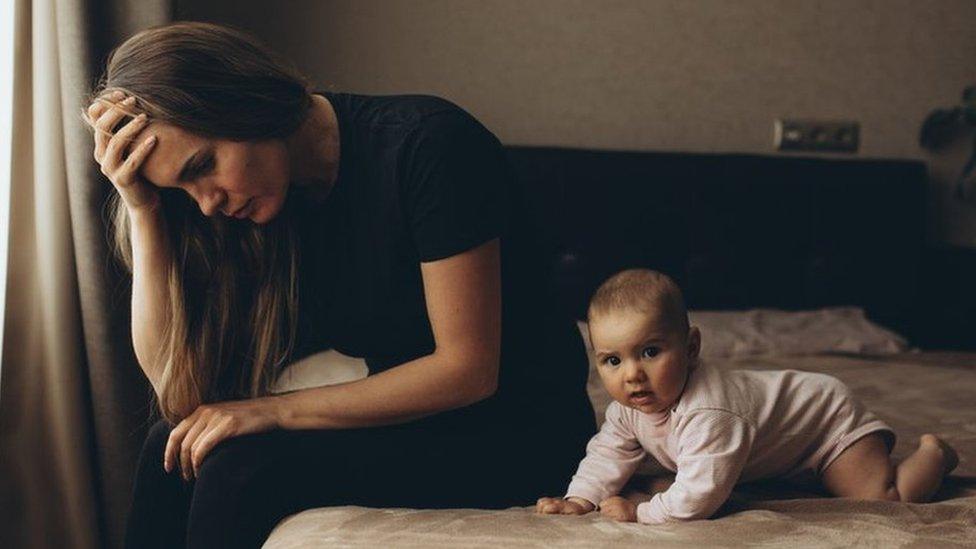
(634, 372)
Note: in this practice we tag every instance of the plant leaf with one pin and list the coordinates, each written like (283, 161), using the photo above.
(969, 94)
(965, 181)
(969, 113)
(940, 128)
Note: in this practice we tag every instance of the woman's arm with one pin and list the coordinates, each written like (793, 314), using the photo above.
(150, 245)
(463, 294)
(150, 309)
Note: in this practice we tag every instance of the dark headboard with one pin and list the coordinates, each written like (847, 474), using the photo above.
(735, 231)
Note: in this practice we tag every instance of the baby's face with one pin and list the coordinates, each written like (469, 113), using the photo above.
(642, 361)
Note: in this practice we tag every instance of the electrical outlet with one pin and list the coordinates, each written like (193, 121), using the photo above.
(816, 135)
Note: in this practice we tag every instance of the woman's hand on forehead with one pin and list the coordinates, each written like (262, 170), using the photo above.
(116, 152)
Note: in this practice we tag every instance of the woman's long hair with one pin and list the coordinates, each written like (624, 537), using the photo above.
(232, 286)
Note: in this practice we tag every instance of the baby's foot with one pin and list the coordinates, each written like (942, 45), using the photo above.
(931, 443)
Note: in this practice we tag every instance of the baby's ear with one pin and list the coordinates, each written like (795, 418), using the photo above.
(694, 342)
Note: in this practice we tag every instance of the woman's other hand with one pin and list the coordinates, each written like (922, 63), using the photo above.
(619, 509)
(208, 425)
(560, 506)
(112, 151)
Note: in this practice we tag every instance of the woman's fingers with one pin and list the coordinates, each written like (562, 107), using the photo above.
(119, 155)
(206, 442)
(137, 192)
(187, 444)
(112, 157)
(111, 114)
(95, 112)
(110, 117)
(137, 155)
(175, 440)
(106, 123)
(96, 109)
(101, 104)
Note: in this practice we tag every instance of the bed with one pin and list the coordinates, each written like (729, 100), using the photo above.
(799, 263)
(765, 515)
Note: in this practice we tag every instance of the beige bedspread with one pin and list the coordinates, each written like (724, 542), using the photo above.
(915, 393)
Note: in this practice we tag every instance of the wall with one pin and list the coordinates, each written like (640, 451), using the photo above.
(677, 75)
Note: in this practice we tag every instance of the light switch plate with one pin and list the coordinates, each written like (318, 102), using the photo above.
(816, 135)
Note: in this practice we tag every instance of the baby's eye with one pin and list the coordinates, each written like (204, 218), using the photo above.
(612, 360)
(650, 352)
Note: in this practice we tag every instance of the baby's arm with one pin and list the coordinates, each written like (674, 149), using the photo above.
(713, 447)
(612, 456)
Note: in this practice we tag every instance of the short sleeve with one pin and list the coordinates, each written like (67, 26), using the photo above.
(455, 185)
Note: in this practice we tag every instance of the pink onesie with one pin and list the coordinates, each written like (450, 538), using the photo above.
(727, 427)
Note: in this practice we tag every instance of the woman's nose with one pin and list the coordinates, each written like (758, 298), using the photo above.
(210, 201)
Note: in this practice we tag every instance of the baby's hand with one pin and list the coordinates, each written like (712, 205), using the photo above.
(618, 508)
(560, 506)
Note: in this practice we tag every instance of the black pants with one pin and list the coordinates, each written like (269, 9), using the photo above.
(248, 484)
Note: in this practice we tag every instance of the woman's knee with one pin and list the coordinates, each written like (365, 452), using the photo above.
(156, 438)
(243, 488)
(233, 463)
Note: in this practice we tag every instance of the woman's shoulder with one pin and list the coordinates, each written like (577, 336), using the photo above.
(406, 111)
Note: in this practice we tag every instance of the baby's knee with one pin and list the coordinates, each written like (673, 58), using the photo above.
(884, 493)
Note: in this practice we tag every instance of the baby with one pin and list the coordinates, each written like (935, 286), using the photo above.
(716, 428)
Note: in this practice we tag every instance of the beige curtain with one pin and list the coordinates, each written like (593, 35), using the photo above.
(64, 428)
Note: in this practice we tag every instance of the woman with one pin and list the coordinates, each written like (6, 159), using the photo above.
(263, 222)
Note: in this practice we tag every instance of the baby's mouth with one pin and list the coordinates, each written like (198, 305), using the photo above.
(641, 397)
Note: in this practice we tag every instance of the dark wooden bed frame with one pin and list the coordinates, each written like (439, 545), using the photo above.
(735, 231)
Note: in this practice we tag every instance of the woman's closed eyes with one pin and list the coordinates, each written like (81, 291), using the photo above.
(201, 167)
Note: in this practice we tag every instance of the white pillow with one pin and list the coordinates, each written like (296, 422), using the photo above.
(326, 368)
(765, 332)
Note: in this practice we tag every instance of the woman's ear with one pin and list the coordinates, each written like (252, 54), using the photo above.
(694, 343)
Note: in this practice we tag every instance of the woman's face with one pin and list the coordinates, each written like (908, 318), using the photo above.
(246, 179)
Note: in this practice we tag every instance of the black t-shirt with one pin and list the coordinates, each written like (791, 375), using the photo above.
(420, 180)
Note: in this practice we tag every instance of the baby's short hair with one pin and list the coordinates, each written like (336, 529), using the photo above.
(642, 290)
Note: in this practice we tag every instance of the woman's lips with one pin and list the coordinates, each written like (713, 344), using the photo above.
(243, 211)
